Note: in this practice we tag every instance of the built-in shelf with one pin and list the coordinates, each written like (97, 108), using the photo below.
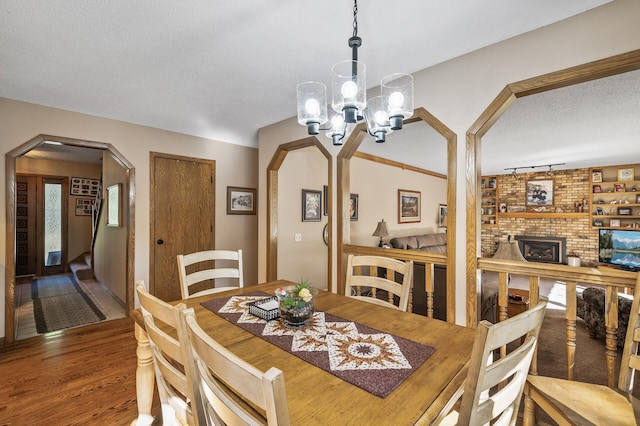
(544, 215)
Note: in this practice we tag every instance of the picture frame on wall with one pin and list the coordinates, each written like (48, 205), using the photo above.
(442, 215)
(354, 201)
(84, 206)
(596, 176)
(87, 187)
(626, 174)
(325, 199)
(597, 189)
(614, 223)
(409, 203)
(113, 205)
(540, 192)
(311, 205)
(241, 200)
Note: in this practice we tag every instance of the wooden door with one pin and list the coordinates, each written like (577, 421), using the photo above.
(26, 242)
(182, 217)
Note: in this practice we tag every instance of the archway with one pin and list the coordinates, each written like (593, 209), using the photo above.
(344, 182)
(272, 203)
(10, 179)
(579, 74)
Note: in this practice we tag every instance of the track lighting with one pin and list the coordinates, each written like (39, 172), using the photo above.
(514, 172)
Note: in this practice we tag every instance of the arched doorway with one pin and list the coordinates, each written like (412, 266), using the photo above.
(10, 179)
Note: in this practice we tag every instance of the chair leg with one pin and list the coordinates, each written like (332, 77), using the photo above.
(529, 410)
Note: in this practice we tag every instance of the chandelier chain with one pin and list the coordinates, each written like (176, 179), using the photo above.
(355, 18)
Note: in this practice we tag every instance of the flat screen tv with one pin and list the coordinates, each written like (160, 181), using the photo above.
(620, 248)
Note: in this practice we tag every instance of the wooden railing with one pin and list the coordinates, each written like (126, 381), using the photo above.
(612, 280)
(429, 260)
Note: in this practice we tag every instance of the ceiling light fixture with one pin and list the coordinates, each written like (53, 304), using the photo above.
(514, 173)
(383, 114)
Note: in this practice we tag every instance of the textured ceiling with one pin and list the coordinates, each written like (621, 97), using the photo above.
(223, 69)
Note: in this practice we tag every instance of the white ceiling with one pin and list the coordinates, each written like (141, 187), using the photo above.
(223, 69)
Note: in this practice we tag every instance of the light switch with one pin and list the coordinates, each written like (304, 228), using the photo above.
(297, 237)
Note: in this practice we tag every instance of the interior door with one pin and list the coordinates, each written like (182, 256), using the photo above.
(26, 243)
(52, 200)
(182, 217)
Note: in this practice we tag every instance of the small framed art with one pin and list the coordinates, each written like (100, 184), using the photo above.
(84, 206)
(540, 192)
(614, 223)
(597, 189)
(596, 176)
(354, 201)
(311, 205)
(620, 187)
(408, 206)
(626, 174)
(241, 200)
(442, 215)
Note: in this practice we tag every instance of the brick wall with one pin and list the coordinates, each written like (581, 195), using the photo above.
(570, 187)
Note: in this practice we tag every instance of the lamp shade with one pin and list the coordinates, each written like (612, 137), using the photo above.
(349, 89)
(509, 250)
(381, 230)
(397, 92)
(312, 105)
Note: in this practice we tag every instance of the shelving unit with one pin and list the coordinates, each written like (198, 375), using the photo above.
(615, 197)
(489, 200)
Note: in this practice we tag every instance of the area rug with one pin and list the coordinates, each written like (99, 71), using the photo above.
(59, 302)
(363, 356)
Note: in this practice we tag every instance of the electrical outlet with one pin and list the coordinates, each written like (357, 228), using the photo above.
(297, 237)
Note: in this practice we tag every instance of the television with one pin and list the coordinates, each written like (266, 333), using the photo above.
(620, 248)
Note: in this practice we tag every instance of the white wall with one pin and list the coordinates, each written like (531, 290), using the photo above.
(235, 166)
(458, 91)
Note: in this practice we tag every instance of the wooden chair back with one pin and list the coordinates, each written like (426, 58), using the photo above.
(493, 389)
(162, 322)
(232, 390)
(630, 361)
(374, 273)
(198, 273)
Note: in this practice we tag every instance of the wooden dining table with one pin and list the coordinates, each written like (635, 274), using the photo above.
(316, 396)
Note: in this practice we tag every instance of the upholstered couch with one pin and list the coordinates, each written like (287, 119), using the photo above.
(437, 243)
(591, 308)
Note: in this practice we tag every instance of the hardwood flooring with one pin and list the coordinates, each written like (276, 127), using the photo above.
(78, 376)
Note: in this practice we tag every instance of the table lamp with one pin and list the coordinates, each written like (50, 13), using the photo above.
(509, 250)
(381, 231)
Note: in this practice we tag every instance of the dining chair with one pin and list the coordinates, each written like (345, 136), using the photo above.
(232, 390)
(174, 384)
(379, 273)
(493, 389)
(203, 271)
(570, 402)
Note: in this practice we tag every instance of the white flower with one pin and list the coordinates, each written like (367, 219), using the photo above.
(305, 294)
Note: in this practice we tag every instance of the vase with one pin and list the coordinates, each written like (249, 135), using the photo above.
(295, 312)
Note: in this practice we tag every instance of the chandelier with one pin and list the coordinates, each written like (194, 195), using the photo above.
(383, 114)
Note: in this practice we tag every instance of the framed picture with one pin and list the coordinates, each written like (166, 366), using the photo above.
(113, 205)
(624, 211)
(241, 200)
(353, 206)
(408, 206)
(540, 192)
(614, 223)
(84, 206)
(599, 211)
(325, 199)
(88, 187)
(502, 208)
(311, 205)
(597, 189)
(442, 215)
(596, 176)
(626, 174)
(597, 222)
(620, 187)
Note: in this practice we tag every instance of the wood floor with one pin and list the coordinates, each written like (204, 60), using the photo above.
(79, 376)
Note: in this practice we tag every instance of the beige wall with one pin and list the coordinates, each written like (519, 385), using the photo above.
(377, 187)
(458, 91)
(302, 169)
(235, 166)
(79, 227)
(110, 256)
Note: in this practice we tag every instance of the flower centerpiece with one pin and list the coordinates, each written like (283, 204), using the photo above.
(296, 304)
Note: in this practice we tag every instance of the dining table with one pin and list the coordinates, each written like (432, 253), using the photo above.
(318, 397)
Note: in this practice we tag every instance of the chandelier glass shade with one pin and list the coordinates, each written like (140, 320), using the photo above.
(383, 113)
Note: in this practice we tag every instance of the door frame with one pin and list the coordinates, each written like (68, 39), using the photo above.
(10, 202)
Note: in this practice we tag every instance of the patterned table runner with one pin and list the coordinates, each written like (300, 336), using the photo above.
(363, 356)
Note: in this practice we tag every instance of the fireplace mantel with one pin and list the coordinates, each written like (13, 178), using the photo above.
(544, 215)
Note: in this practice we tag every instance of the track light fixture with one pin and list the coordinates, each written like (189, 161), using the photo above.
(383, 114)
(514, 172)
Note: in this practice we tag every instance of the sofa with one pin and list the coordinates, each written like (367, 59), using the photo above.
(437, 243)
(591, 308)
